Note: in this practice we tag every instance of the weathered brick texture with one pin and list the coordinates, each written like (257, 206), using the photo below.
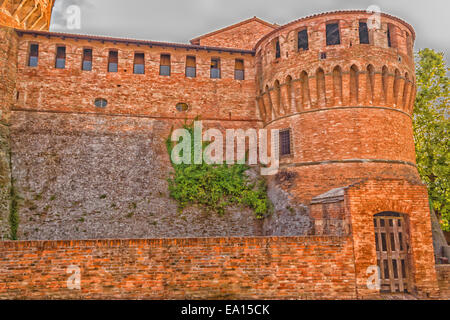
(242, 35)
(214, 268)
(8, 76)
(443, 276)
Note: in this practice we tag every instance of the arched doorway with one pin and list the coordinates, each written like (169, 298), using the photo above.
(392, 245)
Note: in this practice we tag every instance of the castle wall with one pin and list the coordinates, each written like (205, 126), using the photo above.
(214, 268)
(8, 66)
(45, 88)
(87, 176)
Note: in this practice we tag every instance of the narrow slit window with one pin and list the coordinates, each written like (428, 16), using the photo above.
(303, 40)
(139, 63)
(164, 68)
(391, 36)
(215, 68)
(363, 33)
(191, 67)
(113, 61)
(239, 73)
(60, 58)
(277, 49)
(333, 36)
(33, 56)
(87, 60)
(389, 39)
(285, 142)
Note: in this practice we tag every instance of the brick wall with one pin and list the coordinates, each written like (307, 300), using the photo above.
(364, 200)
(214, 268)
(443, 277)
(243, 35)
(8, 75)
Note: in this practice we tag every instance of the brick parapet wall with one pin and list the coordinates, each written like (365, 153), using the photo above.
(443, 277)
(197, 268)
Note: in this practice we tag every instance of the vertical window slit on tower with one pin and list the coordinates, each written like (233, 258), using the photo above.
(60, 57)
(139, 63)
(333, 36)
(303, 40)
(191, 67)
(113, 61)
(215, 68)
(239, 70)
(277, 49)
(164, 68)
(33, 55)
(363, 33)
(87, 60)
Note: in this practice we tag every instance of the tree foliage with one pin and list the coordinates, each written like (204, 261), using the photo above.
(431, 128)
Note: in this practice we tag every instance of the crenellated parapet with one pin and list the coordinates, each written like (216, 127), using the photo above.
(26, 14)
(299, 70)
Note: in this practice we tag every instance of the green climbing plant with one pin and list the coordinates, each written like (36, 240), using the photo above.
(216, 187)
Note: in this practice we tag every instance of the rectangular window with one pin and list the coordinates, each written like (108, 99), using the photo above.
(113, 61)
(285, 142)
(303, 40)
(87, 60)
(277, 49)
(60, 58)
(215, 68)
(390, 36)
(333, 36)
(239, 72)
(363, 33)
(164, 67)
(139, 63)
(191, 67)
(33, 56)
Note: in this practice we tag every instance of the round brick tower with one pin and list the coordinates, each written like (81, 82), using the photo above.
(26, 14)
(344, 85)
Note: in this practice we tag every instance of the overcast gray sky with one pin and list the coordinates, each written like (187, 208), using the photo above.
(182, 20)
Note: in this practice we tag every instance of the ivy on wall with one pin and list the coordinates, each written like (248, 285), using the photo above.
(216, 187)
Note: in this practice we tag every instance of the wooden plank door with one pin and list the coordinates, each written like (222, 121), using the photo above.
(391, 241)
